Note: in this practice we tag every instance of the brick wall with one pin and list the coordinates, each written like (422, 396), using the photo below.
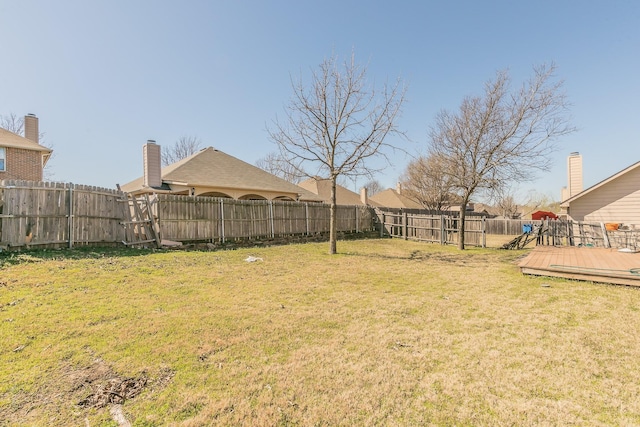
(22, 164)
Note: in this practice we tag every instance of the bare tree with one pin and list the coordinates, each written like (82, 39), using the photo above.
(373, 187)
(183, 148)
(426, 181)
(276, 165)
(502, 136)
(12, 123)
(337, 125)
(507, 205)
(537, 201)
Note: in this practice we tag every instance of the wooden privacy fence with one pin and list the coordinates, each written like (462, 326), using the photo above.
(441, 229)
(186, 218)
(508, 227)
(58, 214)
(43, 214)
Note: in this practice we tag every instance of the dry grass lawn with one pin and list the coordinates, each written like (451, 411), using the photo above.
(388, 332)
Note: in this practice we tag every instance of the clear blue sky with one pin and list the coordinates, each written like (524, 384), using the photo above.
(105, 76)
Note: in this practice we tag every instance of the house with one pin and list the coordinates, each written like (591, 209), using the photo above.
(391, 198)
(322, 189)
(616, 199)
(23, 157)
(213, 173)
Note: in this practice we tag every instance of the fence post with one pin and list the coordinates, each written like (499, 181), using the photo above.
(306, 216)
(545, 223)
(605, 236)
(405, 226)
(71, 209)
(484, 232)
(273, 233)
(442, 230)
(356, 208)
(222, 220)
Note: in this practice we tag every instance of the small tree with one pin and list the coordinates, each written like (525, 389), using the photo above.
(183, 148)
(426, 181)
(507, 205)
(337, 124)
(537, 201)
(373, 187)
(502, 136)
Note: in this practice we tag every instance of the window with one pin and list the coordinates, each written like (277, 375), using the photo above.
(3, 157)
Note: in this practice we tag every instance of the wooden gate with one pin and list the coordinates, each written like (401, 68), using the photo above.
(139, 221)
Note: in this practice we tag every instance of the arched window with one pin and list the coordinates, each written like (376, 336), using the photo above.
(252, 197)
(216, 194)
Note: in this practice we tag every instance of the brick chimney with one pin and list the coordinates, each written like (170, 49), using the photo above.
(363, 196)
(151, 157)
(574, 176)
(31, 131)
(399, 188)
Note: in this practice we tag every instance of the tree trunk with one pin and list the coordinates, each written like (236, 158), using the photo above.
(333, 224)
(463, 214)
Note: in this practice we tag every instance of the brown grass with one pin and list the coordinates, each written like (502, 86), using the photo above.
(388, 332)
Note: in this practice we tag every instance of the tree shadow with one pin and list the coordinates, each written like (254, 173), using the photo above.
(10, 258)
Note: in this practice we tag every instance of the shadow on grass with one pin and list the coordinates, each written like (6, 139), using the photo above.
(446, 254)
(8, 258)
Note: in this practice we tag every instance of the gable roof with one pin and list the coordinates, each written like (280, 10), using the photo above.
(213, 168)
(322, 188)
(12, 140)
(390, 198)
(600, 184)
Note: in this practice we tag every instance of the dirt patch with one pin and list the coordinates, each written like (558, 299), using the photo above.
(107, 387)
(460, 259)
(115, 390)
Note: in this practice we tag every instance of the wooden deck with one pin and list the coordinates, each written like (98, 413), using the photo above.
(583, 263)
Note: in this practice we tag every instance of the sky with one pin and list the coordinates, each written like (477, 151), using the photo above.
(104, 77)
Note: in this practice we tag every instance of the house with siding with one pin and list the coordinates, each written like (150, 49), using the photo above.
(212, 173)
(616, 199)
(23, 157)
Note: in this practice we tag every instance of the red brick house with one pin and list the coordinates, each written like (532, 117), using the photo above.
(22, 157)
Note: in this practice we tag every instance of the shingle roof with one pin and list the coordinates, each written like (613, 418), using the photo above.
(12, 140)
(213, 168)
(390, 198)
(322, 187)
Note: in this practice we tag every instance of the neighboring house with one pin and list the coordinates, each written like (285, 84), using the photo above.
(211, 172)
(391, 198)
(613, 200)
(22, 157)
(322, 189)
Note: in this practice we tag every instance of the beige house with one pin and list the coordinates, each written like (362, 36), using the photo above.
(615, 199)
(391, 198)
(211, 172)
(23, 157)
(322, 189)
